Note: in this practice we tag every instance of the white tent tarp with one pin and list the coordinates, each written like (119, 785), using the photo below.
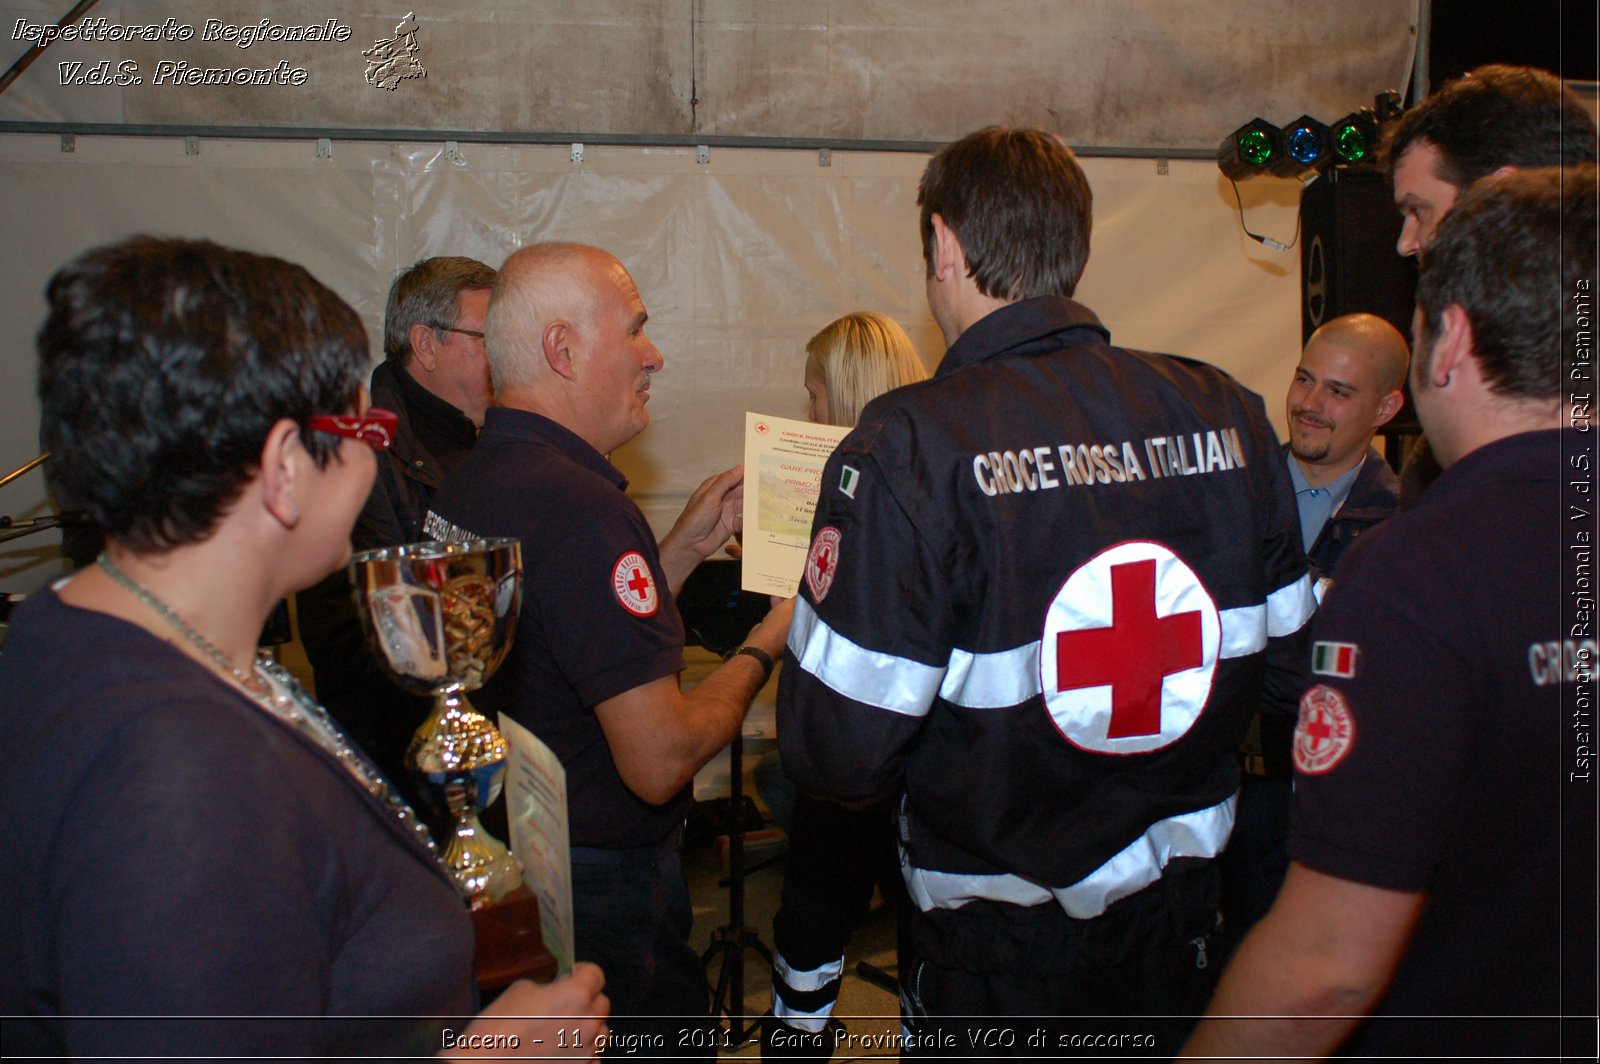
(739, 260)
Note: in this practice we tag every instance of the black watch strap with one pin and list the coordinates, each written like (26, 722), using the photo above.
(761, 656)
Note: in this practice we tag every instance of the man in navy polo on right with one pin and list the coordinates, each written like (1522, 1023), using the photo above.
(1443, 841)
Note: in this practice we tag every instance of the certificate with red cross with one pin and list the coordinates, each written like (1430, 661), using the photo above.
(783, 464)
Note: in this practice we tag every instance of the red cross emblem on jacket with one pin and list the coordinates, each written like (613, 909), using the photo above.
(1129, 650)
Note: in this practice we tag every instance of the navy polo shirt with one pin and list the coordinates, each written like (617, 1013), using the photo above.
(1429, 753)
(597, 619)
(1317, 505)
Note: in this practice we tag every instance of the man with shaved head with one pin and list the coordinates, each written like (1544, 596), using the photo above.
(594, 668)
(1347, 385)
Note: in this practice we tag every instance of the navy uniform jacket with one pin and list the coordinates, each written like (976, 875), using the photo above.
(1374, 497)
(431, 438)
(1044, 592)
(409, 472)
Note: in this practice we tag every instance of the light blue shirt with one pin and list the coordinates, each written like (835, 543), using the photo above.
(1318, 504)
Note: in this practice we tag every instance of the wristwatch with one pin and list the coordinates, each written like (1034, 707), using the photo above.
(761, 656)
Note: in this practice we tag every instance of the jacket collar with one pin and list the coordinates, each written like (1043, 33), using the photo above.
(525, 425)
(1015, 327)
(429, 427)
(1373, 496)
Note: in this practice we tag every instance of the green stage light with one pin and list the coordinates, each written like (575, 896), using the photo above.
(1355, 138)
(1250, 150)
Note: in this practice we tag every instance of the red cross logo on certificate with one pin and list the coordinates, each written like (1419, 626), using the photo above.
(631, 580)
(1129, 650)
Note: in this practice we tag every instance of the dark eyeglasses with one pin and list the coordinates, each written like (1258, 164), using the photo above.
(375, 428)
(463, 332)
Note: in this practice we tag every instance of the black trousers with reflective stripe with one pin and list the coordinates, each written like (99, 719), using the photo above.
(992, 979)
(836, 857)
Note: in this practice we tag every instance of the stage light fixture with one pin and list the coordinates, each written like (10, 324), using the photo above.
(1250, 150)
(1388, 105)
(1307, 146)
(1355, 138)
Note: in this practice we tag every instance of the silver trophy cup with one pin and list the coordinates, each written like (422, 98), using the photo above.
(440, 617)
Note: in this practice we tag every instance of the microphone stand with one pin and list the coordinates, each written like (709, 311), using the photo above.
(730, 941)
(11, 529)
(23, 468)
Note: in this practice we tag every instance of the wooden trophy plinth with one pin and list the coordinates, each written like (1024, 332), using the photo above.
(509, 944)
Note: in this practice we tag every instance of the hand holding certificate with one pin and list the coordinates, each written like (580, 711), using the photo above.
(783, 462)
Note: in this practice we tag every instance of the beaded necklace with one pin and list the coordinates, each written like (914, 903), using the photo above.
(250, 681)
(272, 688)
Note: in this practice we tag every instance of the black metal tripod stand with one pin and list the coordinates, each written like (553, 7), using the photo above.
(730, 941)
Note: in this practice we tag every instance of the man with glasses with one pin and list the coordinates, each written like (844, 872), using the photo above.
(435, 377)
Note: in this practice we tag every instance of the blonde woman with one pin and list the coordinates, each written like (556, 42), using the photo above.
(836, 856)
(852, 361)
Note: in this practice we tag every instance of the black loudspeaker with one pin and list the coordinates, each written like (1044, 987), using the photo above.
(1348, 264)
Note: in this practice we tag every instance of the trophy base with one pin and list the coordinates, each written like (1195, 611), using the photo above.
(509, 944)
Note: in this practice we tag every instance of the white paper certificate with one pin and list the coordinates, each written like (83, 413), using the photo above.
(536, 806)
(783, 462)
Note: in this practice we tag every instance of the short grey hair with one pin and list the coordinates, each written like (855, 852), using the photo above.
(425, 294)
(537, 285)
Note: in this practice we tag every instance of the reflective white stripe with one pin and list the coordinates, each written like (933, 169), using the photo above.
(992, 681)
(1290, 607)
(784, 977)
(1246, 629)
(1011, 677)
(1202, 833)
(1006, 677)
(805, 982)
(869, 676)
(809, 1022)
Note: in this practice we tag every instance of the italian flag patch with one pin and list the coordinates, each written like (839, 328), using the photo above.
(848, 479)
(1334, 659)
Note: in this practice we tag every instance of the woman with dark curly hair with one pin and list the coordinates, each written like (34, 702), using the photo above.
(198, 862)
